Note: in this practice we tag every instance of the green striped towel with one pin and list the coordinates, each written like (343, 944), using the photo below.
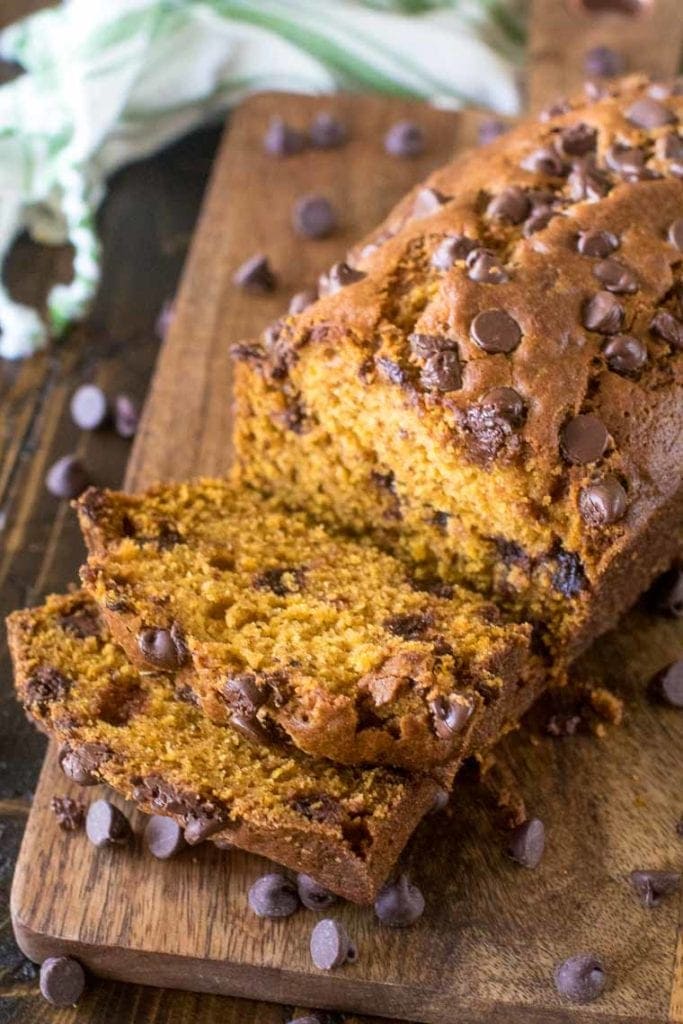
(109, 82)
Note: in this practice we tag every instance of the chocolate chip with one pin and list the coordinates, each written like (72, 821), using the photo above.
(603, 62)
(569, 577)
(327, 131)
(62, 980)
(578, 140)
(281, 581)
(400, 903)
(243, 693)
(450, 249)
(625, 354)
(67, 477)
(527, 843)
(441, 800)
(441, 372)
(545, 161)
(251, 728)
(511, 205)
(164, 837)
(666, 596)
(485, 268)
(302, 300)
(77, 767)
(585, 181)
(283, 140)
(202, 824)
(273, 895)
(494, 330)
(490, 129)
(255, 275)
(603, 313)
(558, 107)
(649, 113)
(449, 716)
(89, 407)
(156, 647)
(312, 894)
(668, 327)
(584, 439)
(581, 978)
(423, 346)
(563, 724)
(339, 276)
(427, 201)
(667, 685)
(675, 233)
(505, 404)
(314, 217)
(602, 502)
(654, 886)
(391, 370)
(46, 685)
(331, 946)
(538, 220)
(409, 625)
(126, 416)
(670, 147)
(597, 243)
(615, 277)
(69, 813)
(106, 825)
(404, 139)
(627, 161)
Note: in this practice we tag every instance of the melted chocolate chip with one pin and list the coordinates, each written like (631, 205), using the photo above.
(157, 647)
(244, 694)
(494, 331)
(627, 161)
(615, 277)
(46, 685)
(255, 275)
(449, 716)
(317, 807)
(423, 346)
(505, 404)
(486, 268)
(578, 140)
(584, 439)
(585, 181)
(625, 354)
(649, 113)
(603, 502)
(545, 161)
(511, 205)
(538, 220)
(251, 728)
(441, 372)
(451, 249)
(81, 765)
(597, 243)
(668, 327)
(603, 313)
(409, 625)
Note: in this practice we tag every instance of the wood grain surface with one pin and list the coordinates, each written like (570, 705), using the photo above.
(486, 948)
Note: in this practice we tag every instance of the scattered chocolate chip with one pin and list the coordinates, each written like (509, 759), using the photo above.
(156, 646)
(511, 205)
(312, 894)
(314, 217)
(603, 502)
(255, 275)
(667, 685)
(67, 477)
(585, 181)
(486, 268)
(490, 129)
(425, 345)
(581, 978)
(654, 886)
(126, 416)
(76, 767)
(243, 693)
(625, 354)
(409, 625)
(603, 313)
(62, 980)
(327, 131)
(670, 147)
(538, 220)
(569, 577)
(106, 825)
(405, 139)
(649, 113)
(331, 946)
(506, 404)
(273, 895)
(449, 716)
(603, 62)
(451, 249)
(494, 330)
(668, 327)
(251, 728)
(545, 161)
(427, 201)
(164, 837)
(597, 243)
(675, 233)
(89, 407)
(339, 276)
(302, 300)
(70, 814)
(441, 372)
(283, 140)
(527, 843)
(400, 903)
(666, 596)
(584, 439)
(615, 277)
(45, 685)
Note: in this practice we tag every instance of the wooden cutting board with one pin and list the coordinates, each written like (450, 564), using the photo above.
(485, 950)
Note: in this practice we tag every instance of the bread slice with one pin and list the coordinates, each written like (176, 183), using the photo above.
(290, 633)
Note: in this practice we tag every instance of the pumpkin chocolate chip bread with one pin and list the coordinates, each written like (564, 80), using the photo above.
(285, 631)
(137, 732)
(492, 385)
